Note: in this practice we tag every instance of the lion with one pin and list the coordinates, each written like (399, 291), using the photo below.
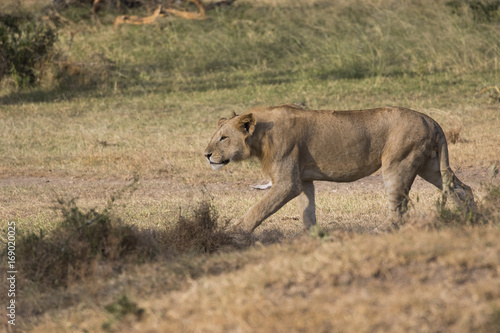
(297, 146)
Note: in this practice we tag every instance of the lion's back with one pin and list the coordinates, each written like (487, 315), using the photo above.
(344, 145)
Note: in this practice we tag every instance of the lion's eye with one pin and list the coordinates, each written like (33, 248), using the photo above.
(222, 138)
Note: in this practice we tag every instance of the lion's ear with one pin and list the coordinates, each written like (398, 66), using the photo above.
(247, 123)
(234, 115)
(221, 121)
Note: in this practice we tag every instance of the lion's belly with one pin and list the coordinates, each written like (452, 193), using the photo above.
(339, 174)
(342, 158)
(339, 165)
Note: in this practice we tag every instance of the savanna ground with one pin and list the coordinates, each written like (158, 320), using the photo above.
(119, 120)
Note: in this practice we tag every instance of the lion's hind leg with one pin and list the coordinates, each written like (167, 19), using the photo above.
(431, 172)
(460, 193)
(464, 192)
(398, 179)
(448, 183)
(307, 205)
(397, 188)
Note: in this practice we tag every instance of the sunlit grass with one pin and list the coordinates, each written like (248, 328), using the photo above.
(143, 102)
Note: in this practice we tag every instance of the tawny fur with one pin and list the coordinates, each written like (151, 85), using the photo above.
(297, 146)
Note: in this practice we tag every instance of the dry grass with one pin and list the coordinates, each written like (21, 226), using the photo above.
(189, 275)
(159, 262)
(394, 283)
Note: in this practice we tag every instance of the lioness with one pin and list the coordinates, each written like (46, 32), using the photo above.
(297, 146)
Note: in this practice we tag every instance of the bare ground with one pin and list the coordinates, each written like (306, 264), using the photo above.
(25, 196)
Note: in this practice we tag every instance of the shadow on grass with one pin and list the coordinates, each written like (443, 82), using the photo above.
(91, 245)
(86, 240)
(104, 79)
(137, 82)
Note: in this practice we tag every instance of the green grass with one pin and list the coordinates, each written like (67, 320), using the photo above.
(245, 45)
(143, 102)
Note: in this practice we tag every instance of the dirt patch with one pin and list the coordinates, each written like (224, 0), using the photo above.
(25, 196)
(472, 176)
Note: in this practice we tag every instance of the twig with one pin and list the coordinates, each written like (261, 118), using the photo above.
(490, 88)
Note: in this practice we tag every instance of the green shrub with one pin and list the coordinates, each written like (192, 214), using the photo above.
(25, 43)
(482, 10)
(122, 307)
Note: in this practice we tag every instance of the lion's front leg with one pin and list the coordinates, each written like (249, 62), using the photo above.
(277, 196)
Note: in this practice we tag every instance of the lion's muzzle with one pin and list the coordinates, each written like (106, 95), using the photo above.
(213, 164)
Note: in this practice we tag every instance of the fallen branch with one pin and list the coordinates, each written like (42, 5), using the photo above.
(160, 12)
(189, 15)
(129, 19)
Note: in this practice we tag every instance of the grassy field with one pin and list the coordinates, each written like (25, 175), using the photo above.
(119, 121)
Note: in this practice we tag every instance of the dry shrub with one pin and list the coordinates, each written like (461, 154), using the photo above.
(75, 248)
(453, 135)
(199, 232)
(89, 242)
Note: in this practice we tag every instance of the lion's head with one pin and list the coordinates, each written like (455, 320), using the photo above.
(229, 141)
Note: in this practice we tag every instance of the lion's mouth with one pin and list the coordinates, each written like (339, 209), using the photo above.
(217, 166)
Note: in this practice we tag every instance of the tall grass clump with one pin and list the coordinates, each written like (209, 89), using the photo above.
(491, 205)
(369, 38)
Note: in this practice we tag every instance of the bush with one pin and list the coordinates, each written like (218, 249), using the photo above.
(482, 10)
(86, 241)
(24, 44)
(199, 232)
(71, 250)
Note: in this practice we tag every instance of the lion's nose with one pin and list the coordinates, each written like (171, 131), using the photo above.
(207, 155)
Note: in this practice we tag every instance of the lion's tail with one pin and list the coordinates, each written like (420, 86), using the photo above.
(444, 161)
